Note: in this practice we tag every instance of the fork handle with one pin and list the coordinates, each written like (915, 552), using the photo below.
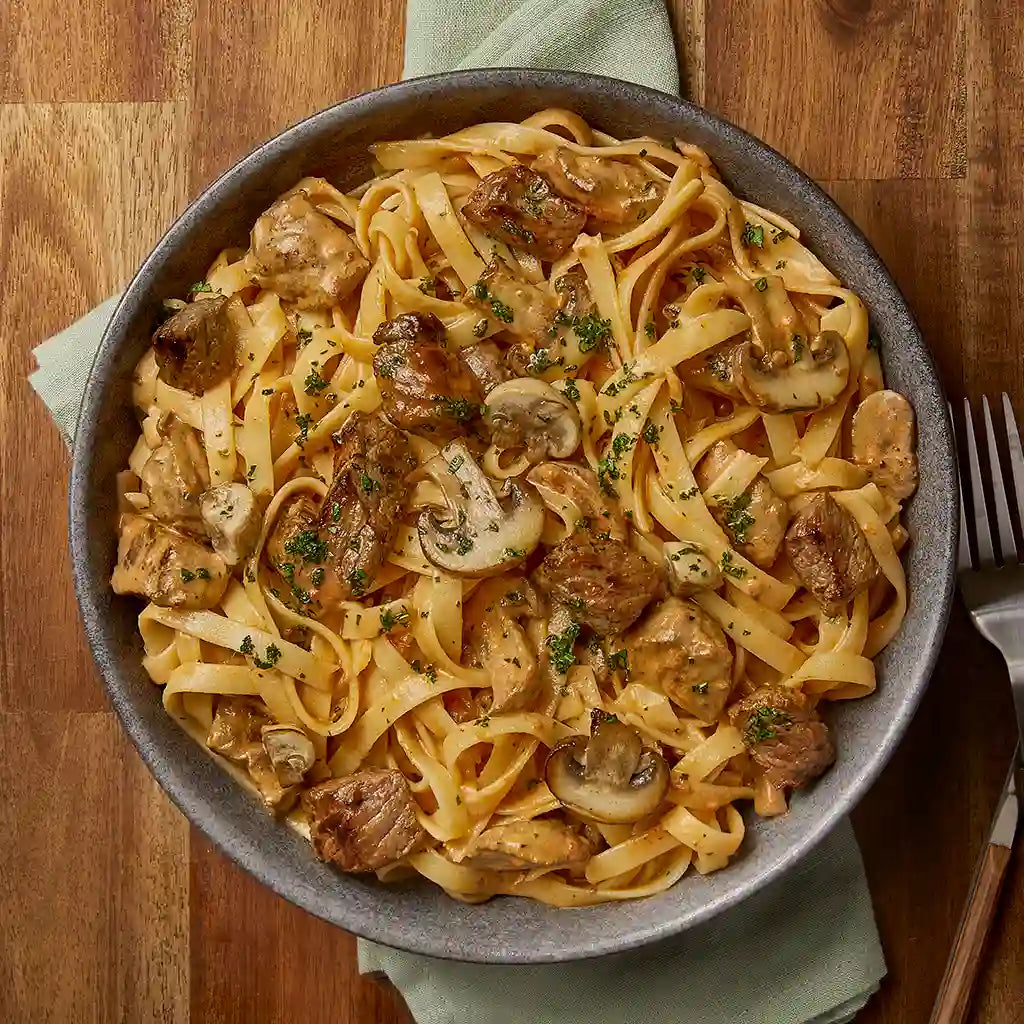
(954, 998)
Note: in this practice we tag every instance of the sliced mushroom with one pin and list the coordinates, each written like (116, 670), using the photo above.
(690, 569)
(802, 380)
(524, 845)
(529, 413)
(232, 519)
(561, 484)
(882, 440)
(290, 751)
(484, 531)
(610, 778)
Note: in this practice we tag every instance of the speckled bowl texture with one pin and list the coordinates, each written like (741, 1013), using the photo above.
(420, 917)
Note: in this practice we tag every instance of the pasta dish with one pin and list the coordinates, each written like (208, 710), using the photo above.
(511, 519)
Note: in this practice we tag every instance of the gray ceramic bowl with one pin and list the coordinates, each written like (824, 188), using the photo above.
(419, 917)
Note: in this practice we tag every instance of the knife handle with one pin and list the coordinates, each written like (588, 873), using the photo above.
(954, 998)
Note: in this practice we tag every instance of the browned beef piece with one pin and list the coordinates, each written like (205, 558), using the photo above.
(304, 256)
(615, 194)
(424, 386)
(518, 206)
(829, 553)
(198, 346)
(361, 511)
(604, 583)
(784, 735)
(679, 649)
(364, 821)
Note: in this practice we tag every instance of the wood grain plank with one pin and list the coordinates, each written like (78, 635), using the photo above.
(271, 64)
(257, 958)
(96, 913)
(87, 189)
(54, 51)
(689, 23)
(844, 88)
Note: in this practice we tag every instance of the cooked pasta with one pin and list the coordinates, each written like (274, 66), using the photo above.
(508, 519)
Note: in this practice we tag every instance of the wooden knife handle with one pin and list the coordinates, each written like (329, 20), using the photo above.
(954, 998)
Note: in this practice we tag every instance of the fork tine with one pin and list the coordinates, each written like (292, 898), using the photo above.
(986, 553)
(963, 558)
(1016, 454)
(1007, 546)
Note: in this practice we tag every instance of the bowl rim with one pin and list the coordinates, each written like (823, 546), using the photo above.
(187, 795)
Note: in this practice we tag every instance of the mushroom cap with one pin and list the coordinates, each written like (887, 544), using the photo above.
(290, 750)
(527, 412)
(610, 777)
(482, 532)
(232, 519)
(814, 377)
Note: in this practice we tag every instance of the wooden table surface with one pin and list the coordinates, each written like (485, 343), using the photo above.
(113, 115)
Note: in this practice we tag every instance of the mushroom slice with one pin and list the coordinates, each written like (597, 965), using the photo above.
(232, 519)
(290, 751)
(804, 380)
(882, 440)
(530, 413)
(483, 532)
(610, 778)
(690, 569)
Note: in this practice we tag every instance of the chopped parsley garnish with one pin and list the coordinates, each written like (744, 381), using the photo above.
(246, 646)
(699, 273)
(314, 383)
(533, 195)
(607, 471)
(738, 518)
(622, 444)
(778, 234)
(649, 329)
(737, 572)
(539, 361)
(753, 235)
(336, 511)
(367, 483)
(202, 574)
(651, 434)
(200, 286)
(561, 647)
(187, 575)
(428, 286)
(456, 463)
(308, 546)
(571, 390)
(479, 291)
(463, 544)
(701, 688)
(619, 659)
(304, 421)
(460, 409)
(357, 580)
(304, 336)
(761, 284)
(250, 473)
(316, 577)
(272, 656)
(501, 311)
(390, 619)
(592, 331)
(509, 553)
(762, 725)
(798, 348)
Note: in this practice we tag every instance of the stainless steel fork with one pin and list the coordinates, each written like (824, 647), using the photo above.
(993, 590)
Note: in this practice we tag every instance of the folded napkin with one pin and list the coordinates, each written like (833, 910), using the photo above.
(804, 950)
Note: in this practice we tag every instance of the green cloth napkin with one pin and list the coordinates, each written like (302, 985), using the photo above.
(629, 39)
(806, 950)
